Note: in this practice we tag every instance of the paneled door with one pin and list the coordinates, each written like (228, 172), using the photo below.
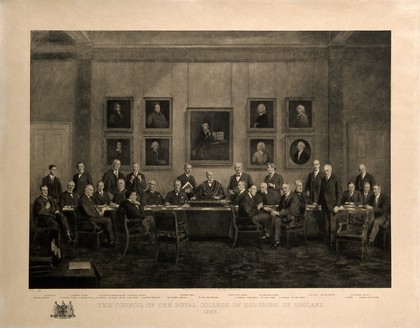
(370, 143)
(50, 144)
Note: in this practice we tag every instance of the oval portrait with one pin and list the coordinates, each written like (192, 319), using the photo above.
(300, 151)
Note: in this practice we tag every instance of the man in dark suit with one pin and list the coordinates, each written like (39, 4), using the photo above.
(381, 206)
(351, 195)
(232, 188)
(303, 198)
(301, 156)
(273, 179)
(330, 200)
(288, 208)
(53, 183)
(48, 214)
(121, 195)
(70, 198)
(134, 211)
(151, 196)
(267, 196)
(176, 196)
(187, 179)
(367, 193)
(313, 183)
(81, 178)
(95, 216)
(101, 197)
(363, 177)
(111, 177)
(248, 208)
(136, 181)
(210, 188)
(236, 198)
(261, 120)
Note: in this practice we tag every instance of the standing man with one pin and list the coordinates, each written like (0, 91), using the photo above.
(210, 188)
(48, 213)
(53, 183)
(111, 177)
(381, 206)
(288, 208)
(176, 196)
(330, 200)
(313, 183)
(151, 196)
(81, 178)
(188, 184)
(136, 181)
(250, 209)
(273, 179)
(95, 216)
(234, 179)
(70, 198)
(363, 177)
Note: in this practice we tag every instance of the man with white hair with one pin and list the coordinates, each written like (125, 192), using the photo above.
(238, 176)
(120, 196)
(261, 120)
(241, 193)
(330, 200)
(151, 196)
(210, 188)
(301, 156)
(301, 120)
(136, 181)
(155, 156)
(267, 196)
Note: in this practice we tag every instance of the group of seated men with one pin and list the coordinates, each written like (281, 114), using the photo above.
(133, 192)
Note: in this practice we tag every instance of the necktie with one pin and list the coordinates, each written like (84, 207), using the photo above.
(101, 193)
(71, 195)
(116, 173)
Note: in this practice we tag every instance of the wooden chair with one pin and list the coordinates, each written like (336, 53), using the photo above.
(298, 225)
(243, 225)
(350, 233)
(41, 235)
(386, 232)
(86, 233)
(131, 229)
(170, 230)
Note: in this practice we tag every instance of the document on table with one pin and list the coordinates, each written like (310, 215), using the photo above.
(79, 266)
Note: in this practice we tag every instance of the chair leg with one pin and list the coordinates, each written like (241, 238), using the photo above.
(177, 252)
(336, 249)
(235, 239)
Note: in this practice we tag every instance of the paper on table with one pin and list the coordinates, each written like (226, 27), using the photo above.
(79, 266)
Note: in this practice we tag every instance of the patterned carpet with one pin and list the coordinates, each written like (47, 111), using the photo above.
(214, 264)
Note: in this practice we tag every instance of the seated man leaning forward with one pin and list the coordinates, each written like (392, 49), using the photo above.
(288, 208)
(210, 188)
(176, 196)
(134, 211)
(250, 209)
(151, 196)
(95, 216)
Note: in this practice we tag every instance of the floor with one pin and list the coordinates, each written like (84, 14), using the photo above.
(214, 264)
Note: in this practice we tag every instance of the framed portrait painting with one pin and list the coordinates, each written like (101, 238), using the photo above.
(299, 152)
(260, 151)
(299, 114)
(118, 114)
(157, 152)
(261, 115)
(209, 136)
(118, 147)
(158, 114)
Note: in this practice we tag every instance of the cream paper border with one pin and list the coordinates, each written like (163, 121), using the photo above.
(396, 306)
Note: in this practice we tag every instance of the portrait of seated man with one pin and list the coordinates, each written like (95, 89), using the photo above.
(210, 189)
(261, 156)
(156, 119)
(261, 113)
